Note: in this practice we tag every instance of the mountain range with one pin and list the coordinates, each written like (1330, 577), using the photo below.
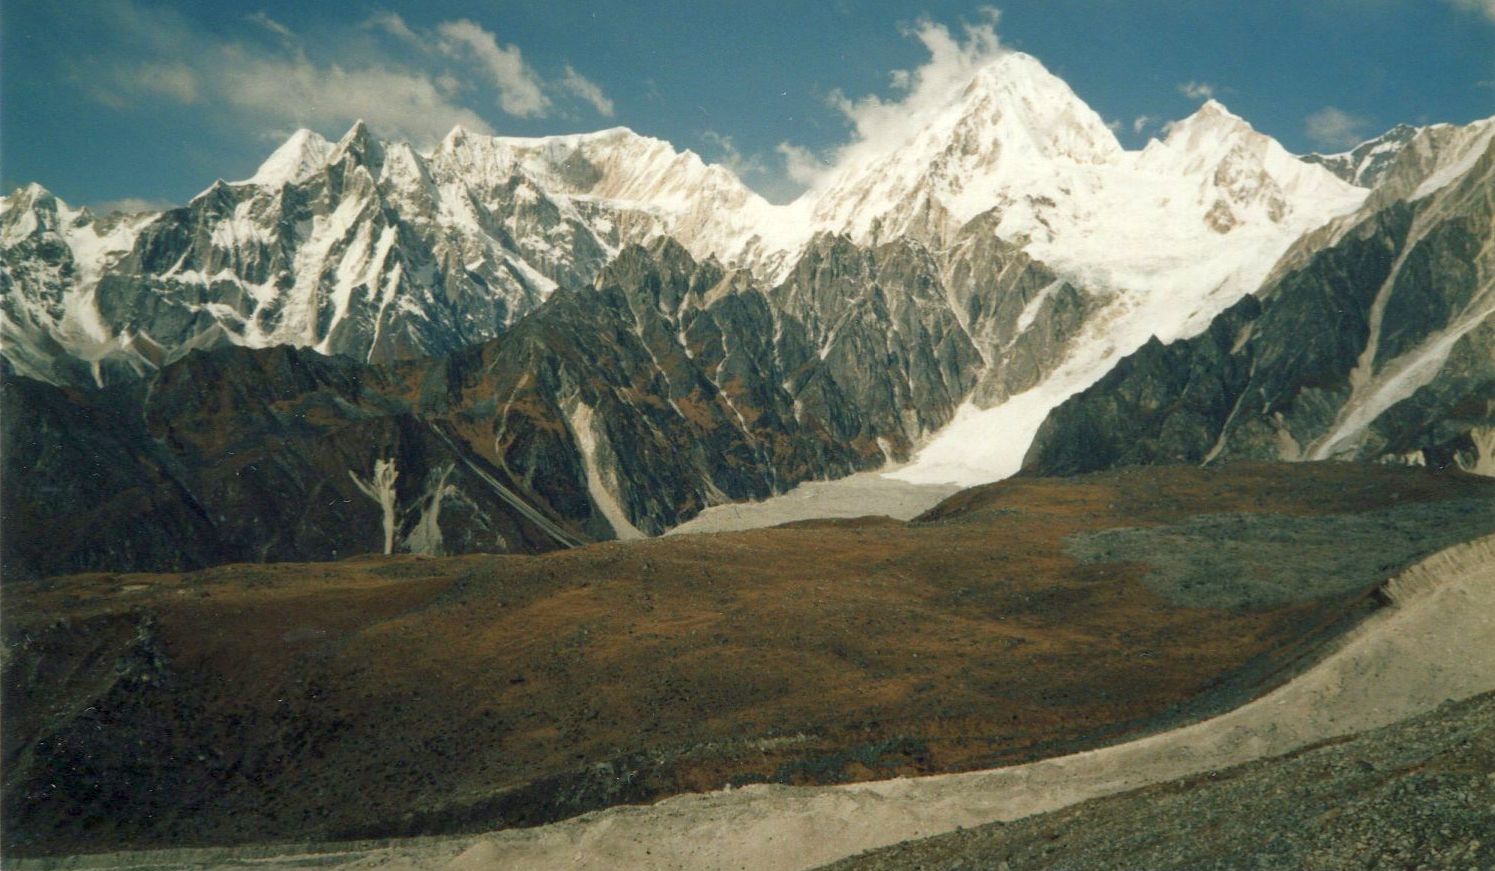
(521, 344)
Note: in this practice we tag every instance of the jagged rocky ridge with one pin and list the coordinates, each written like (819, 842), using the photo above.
(377, 251)
(616, 410)
(364, 248)
(1367, 164)
(1373, 342)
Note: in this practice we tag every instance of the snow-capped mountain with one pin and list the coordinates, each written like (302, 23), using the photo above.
(359, 247)
(934, 300)
(376, 250)
(1013, 138)
(1170, 236)
(49, 254)
(1204, 206)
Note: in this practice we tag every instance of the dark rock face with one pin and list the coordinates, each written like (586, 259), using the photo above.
(1378, 347)
(76, 466)
(1018, 313)
(1165, 403)
(240, 455)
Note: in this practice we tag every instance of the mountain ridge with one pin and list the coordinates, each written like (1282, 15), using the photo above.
(414, 253)
(594, 325)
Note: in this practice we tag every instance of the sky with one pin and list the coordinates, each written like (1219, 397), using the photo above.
(144, 103)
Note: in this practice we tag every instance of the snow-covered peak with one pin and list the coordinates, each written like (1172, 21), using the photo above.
(32, 192)
(1012, 131)
(1015, 98)
(453, 139)
(33, 209)
(1211, 125)
(1243, 176)
(1443, 153)
(1200, 141)
(665, 191)
(360, 145)
(358, 132)
(303, 155)
(619, 164)
(25, 211)
(403, 168)
(28, 197)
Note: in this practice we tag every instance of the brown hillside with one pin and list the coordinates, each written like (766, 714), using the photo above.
(404, 695)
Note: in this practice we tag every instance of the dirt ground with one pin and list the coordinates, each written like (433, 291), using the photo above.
(398, 696)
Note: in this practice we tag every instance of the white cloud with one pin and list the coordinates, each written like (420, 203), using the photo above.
(523, 92)
(129, 205)
(800, 164)
(392, 24)
(299, 92)
(880, 125)
(448, 84)
(1142, 122)
(1197, 90)
(519, 90)
(273, 26)
(1335, 128)
(407, 83)
(1487, 7)
(259, 86)
(587, 90)
(176, 81)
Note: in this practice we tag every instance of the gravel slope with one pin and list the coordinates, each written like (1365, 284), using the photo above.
(1419, 794)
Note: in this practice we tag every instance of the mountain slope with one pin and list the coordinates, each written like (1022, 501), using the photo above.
(670, 386)
(1377, 346)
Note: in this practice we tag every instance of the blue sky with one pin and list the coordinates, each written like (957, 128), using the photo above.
(140, 100)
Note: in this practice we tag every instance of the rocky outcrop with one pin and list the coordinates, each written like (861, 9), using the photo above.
(1367, 164)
